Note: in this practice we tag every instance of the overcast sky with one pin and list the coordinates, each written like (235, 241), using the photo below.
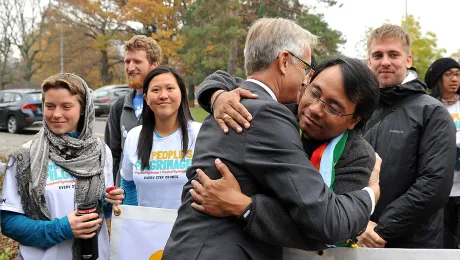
(439, 16)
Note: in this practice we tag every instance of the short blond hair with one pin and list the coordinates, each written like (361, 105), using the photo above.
(389, 31)
(149, 45)
(67, 81)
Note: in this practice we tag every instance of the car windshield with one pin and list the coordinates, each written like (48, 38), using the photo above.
(35, 96)
(121, 92)
(100, 93)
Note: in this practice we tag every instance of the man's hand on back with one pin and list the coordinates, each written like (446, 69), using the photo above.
(228, 110)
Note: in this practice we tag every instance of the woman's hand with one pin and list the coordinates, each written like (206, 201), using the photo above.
(219, 198)
(115, 196)
(84, 226)
(228, 110)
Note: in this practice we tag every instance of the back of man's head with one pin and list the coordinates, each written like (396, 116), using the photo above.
(149, 45)
(267, 37)
(389, 31)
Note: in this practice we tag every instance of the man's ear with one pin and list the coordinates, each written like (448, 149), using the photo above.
(409, 61)
(283, 62)
(154, 65)
(354, 121)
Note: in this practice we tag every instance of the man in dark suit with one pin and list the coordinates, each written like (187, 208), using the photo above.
(267, 158)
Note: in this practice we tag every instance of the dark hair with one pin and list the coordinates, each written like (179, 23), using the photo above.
(437, 91)
(433, 76)
(145, 143)
(361, 85)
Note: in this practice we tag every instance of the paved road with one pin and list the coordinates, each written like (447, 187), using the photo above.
(10, 141)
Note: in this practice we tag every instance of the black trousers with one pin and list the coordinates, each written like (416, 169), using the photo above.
(452, 223)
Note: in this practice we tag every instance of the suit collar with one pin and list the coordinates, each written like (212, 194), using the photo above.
(257, 89)
(265, 87)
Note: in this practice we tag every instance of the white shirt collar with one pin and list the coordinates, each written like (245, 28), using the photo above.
(264, 87)
(411, 75)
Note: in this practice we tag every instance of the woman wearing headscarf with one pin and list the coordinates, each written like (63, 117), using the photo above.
(443, 78)
(63, 168)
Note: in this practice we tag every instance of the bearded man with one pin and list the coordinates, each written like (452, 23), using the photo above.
(142, 54)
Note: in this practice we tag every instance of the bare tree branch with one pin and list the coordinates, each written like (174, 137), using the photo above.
(100, 22)
(24, 27)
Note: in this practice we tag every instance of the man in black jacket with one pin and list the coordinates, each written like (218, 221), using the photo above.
(142, 54)
(415, 137)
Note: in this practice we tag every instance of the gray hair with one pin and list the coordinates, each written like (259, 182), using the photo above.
(267, 37)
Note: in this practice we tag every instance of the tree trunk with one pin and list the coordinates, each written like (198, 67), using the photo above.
(28, 71)
(3, 79)
(233, 59)
(105, 68)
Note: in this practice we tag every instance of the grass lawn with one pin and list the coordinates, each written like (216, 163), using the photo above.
(198, 114)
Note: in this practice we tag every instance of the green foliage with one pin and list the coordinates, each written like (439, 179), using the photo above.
(289, 9)
(329, 2)
(329, 39)
(210, 26)
(361, 46)
(6, 253)
(456, 55)
(424, 47)
(196, 36)
(198, 114)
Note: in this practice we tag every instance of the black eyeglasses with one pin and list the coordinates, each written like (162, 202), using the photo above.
(314, 97)
(450, 74)
(307, 68)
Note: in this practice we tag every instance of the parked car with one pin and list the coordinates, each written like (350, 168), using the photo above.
(104, 97)
(20, 108)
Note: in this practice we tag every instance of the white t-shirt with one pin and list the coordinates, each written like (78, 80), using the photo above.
(454, 111)
(161, 185)
(59, 196)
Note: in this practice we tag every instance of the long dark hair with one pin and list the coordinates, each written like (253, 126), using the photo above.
(145, 143)
(360, 84)
(437, 91)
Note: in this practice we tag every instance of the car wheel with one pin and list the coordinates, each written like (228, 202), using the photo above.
(12, 125)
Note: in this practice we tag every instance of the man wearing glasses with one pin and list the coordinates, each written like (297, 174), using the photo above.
(332, 109)
(267, 158)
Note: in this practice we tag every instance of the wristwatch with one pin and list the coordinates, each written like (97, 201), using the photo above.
(244, 217)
